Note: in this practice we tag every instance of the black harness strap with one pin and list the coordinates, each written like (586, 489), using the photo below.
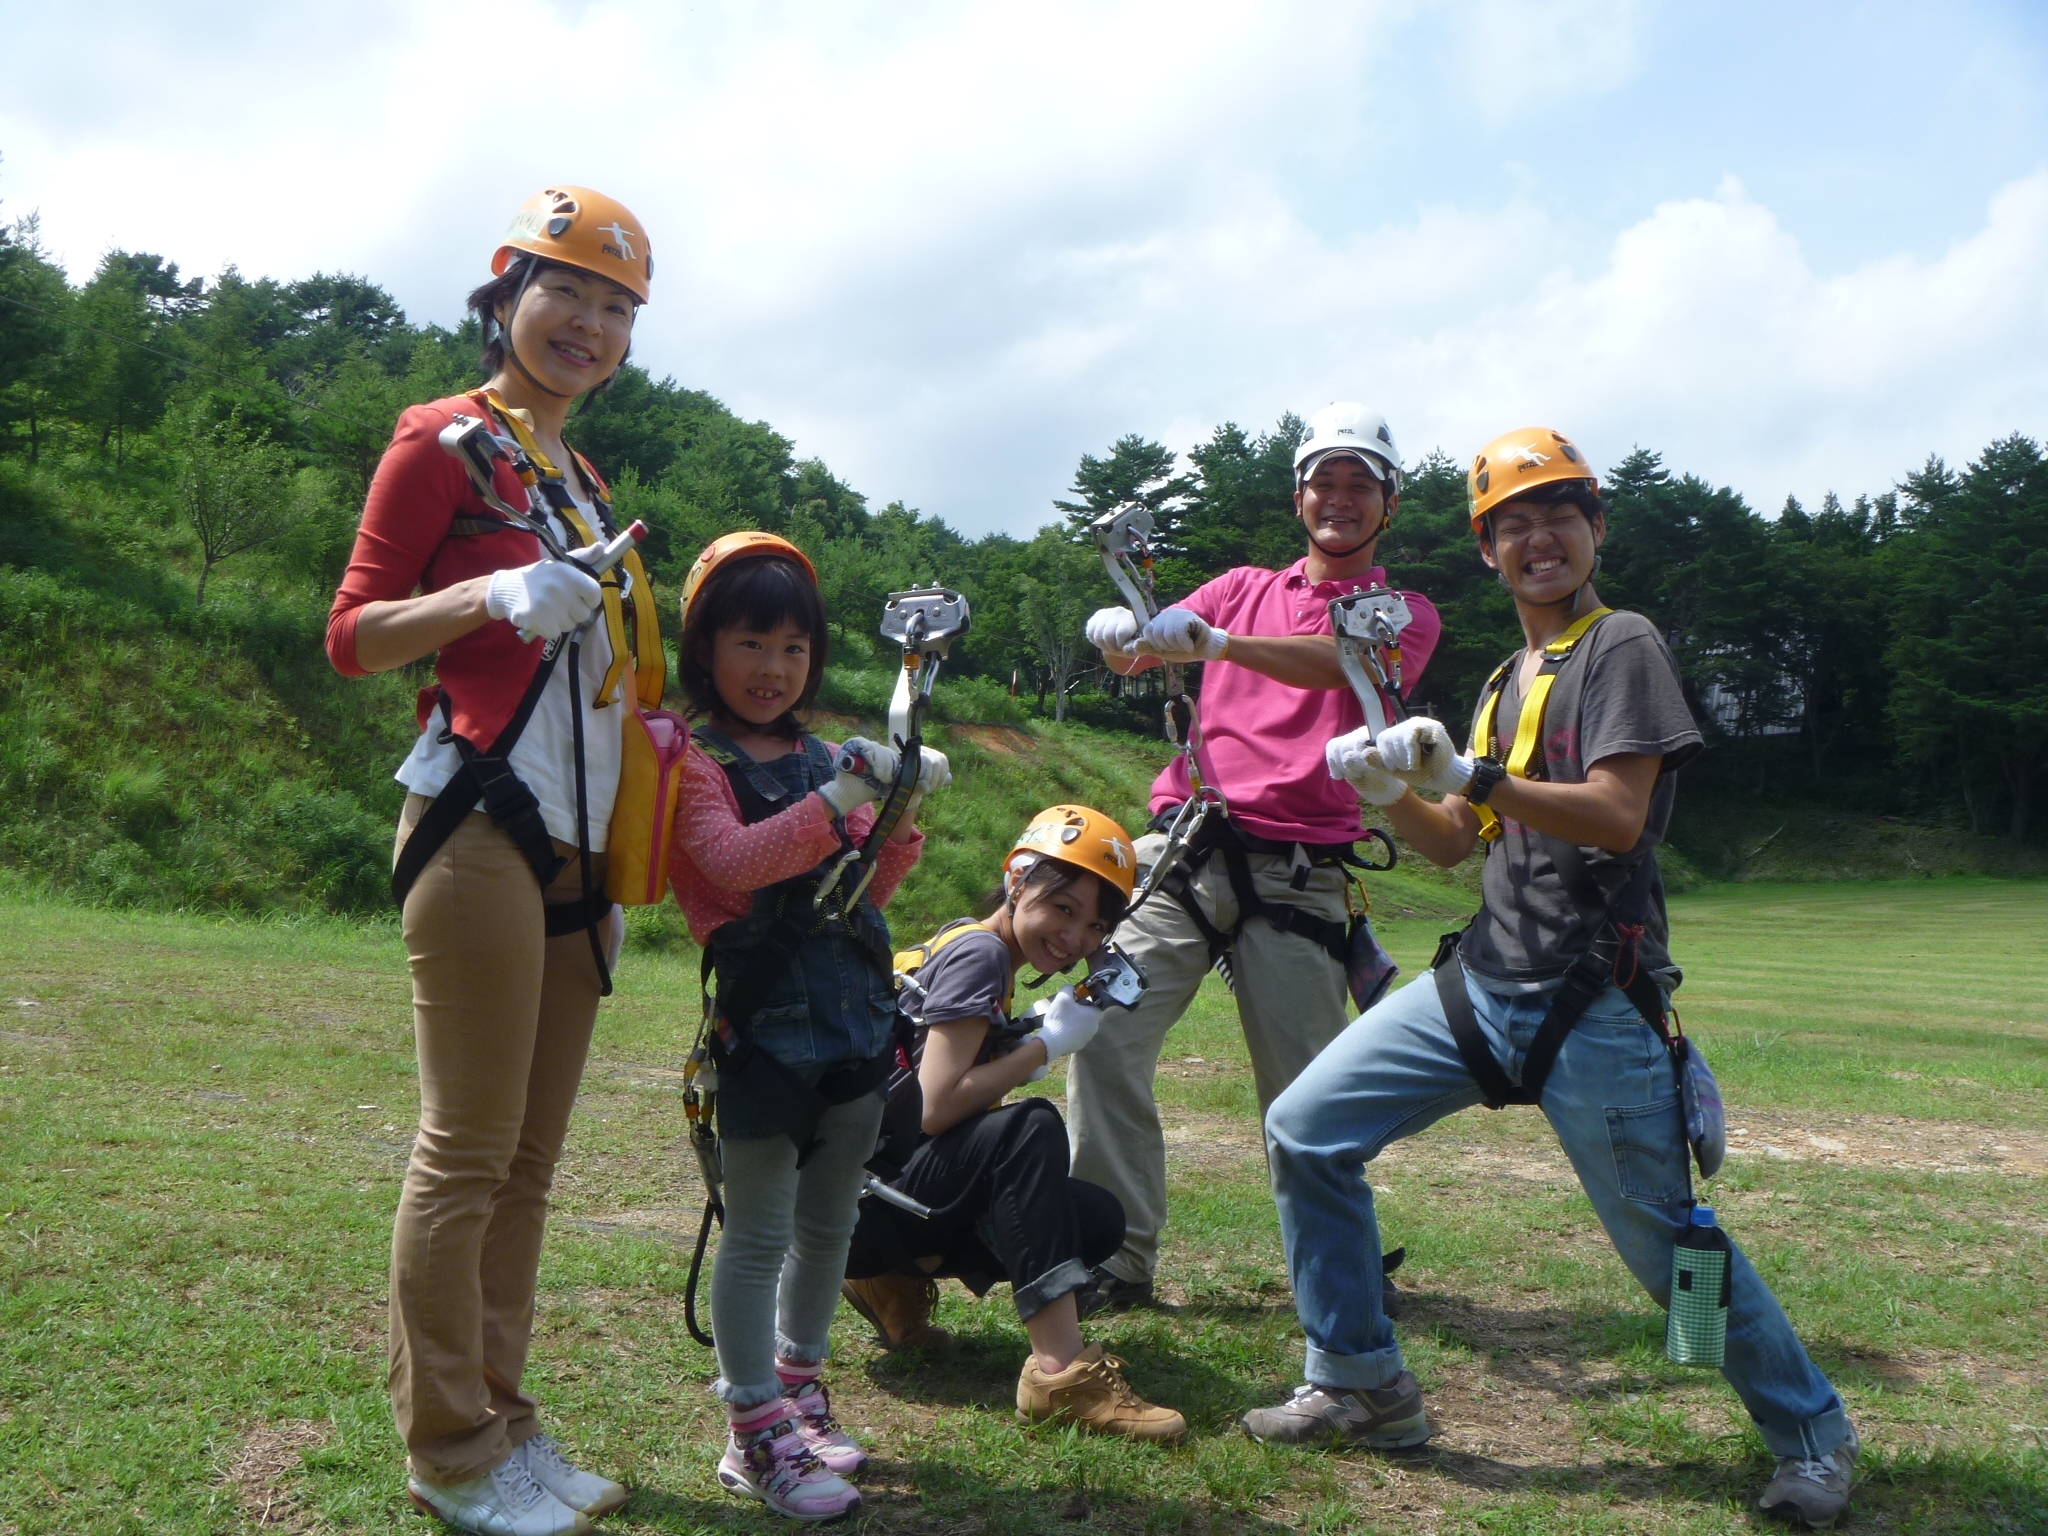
(1590, 975)
(487, 776)
(797, 1106)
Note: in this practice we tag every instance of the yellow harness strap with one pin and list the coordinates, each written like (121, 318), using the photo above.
(650, 664)
(1529, 723)
(911, 961)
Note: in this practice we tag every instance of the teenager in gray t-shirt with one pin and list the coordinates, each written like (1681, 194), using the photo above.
(1572, 808)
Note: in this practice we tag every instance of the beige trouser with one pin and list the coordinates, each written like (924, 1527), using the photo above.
(1291, 1000)
(502, 1016)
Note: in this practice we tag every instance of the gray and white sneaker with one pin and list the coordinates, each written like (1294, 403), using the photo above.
(580, 1490)
(1813, 1492)
(1379, 1418)
(505, 1501)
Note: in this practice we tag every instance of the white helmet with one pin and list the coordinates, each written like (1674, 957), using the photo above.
(1345, 426)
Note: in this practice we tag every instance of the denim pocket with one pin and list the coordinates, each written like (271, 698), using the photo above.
(784, 1032)
(1649, 1152)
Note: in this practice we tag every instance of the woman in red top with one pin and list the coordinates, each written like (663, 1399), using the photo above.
(499, 863)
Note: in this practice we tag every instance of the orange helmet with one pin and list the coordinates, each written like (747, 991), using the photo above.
(581, 228)
(744, 545)
(1515, 461)
(1087, 839)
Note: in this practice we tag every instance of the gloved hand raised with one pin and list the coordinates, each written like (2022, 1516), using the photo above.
(1421, 752)
(1113, 631)
(1179, 635)
(547, 598)
(864, 771)
(933, 772)
(1069, 1025)
(1353, 758)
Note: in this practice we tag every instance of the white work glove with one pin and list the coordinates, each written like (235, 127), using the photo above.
(1069, 1025)
(933, 772)
(865, 771)
(1113, 631)
(1179, 636)
(1353, 758)
(549, 597)
(1422, 752)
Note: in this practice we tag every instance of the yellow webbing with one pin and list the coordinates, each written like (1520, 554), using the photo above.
(650, 664)
(1529, 722)
(910, 961)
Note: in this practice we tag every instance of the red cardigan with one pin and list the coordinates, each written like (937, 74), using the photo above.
(406, 544)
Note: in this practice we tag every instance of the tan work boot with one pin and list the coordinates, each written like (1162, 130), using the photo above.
(1093, 1394)
(900, 1308)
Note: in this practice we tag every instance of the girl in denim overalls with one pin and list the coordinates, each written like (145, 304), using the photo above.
(764, 814)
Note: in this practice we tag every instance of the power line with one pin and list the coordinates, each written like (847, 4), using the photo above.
(186, 362)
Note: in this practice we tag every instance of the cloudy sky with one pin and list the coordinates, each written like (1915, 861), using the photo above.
(949, 247)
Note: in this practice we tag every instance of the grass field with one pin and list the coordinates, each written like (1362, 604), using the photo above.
(203, 1125)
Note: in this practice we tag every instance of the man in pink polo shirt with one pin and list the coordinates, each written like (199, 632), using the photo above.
(1272, 695)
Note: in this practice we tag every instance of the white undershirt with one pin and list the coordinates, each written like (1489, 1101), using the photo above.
(544, 757)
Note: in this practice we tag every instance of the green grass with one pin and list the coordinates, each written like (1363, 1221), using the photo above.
(203, 1124)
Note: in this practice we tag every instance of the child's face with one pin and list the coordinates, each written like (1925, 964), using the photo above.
(1056, 928)
(759, 674)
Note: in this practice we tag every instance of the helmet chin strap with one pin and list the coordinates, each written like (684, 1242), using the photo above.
(1365, 543)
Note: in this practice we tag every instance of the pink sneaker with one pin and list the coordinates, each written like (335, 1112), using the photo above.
(775, 1466)
(832, 1445)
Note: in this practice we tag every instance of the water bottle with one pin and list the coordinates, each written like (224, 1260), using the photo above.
(1696, 1331)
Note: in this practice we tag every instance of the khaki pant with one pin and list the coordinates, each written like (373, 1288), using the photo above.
(502, 1016)
(1291, 1000)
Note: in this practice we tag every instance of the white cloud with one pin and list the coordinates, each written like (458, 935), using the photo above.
(949, 248)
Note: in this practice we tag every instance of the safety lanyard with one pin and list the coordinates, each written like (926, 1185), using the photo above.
(649, 662)
(1529, 723)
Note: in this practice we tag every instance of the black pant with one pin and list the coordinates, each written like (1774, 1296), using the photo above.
(1003, 1208)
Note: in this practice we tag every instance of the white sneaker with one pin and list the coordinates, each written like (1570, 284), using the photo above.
(505, 1501)
(586, 1491)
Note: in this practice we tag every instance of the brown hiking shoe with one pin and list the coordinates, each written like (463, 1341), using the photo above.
(900, 1308)
(1093, 1394)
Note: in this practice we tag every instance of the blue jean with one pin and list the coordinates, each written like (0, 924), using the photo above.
(1611, 1098)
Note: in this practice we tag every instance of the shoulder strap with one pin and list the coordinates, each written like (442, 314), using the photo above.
(1529, 722)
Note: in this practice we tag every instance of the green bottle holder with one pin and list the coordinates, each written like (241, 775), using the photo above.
(1696, 1329)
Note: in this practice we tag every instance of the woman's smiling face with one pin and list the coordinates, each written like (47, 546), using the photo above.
(571, 329)
(1056, 927)
(760, 674)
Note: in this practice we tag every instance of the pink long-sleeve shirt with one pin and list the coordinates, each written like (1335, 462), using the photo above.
(718, 861)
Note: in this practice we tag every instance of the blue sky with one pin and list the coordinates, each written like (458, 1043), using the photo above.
(950, 247)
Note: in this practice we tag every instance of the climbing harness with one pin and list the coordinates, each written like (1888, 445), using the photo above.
(925, 621)
(488, 776)
(1529, 723)
(1368, 628)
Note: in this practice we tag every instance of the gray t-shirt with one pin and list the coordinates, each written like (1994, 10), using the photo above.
(969, 979)
(1618, 693)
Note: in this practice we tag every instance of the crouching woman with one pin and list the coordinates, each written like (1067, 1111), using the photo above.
(995, 1175)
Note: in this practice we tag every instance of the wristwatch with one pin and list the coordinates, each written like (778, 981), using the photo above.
(1486, 772)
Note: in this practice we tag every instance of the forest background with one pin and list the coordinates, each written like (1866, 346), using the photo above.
(183, 460)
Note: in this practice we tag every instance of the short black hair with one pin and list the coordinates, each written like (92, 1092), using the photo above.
(519, 274)
(758, 592)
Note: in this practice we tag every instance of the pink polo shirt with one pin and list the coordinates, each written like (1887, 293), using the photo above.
(1262, 741)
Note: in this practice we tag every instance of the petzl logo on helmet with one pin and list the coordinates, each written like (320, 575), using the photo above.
(1527, 458)
(1118, 851)
(622, 238)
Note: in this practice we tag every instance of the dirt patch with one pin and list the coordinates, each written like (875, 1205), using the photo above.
(1003, 740)
(1212, 1144)
(268, 1456)
(1891, 1141)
